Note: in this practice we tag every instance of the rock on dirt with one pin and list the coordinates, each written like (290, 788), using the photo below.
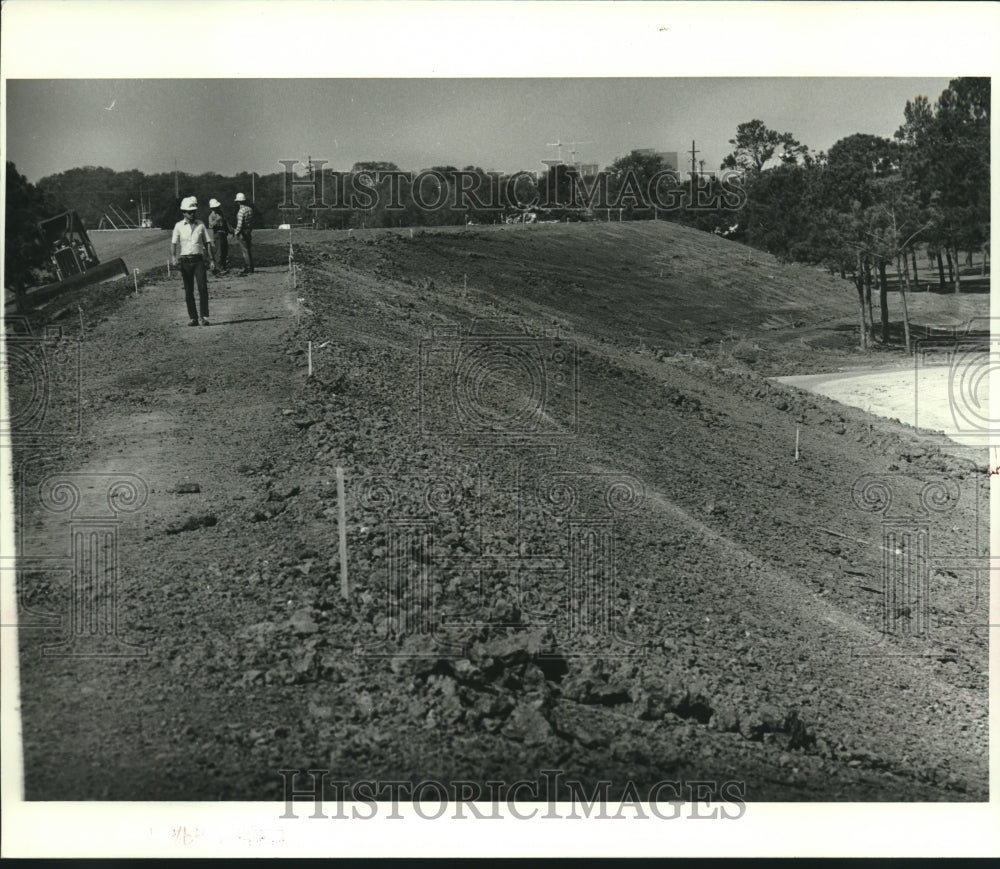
(193, 523)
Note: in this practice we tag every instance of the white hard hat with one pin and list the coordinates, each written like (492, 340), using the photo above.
(240, 197)
(214, 203)
(189, 203)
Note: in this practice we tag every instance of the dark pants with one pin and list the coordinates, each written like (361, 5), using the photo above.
(193, 269)
(246, 245)
(221, 251)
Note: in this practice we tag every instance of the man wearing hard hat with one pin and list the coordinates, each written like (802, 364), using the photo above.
(244, 232)
(192, 246)
(219, 227)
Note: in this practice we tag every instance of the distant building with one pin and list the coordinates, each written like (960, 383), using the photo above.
(584, 170)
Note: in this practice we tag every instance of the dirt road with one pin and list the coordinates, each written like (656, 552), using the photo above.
(920, 397)
(178, 408)
(566, 551)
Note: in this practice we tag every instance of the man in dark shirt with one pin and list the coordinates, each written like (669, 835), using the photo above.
(219, 227)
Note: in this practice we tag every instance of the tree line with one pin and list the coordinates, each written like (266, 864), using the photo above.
(866, 205)
(871, 203)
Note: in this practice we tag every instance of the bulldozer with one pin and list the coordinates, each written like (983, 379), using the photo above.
(72, 258)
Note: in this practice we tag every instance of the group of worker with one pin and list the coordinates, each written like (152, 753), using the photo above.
(194, 247)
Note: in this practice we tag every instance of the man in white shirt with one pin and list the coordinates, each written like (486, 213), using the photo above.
(191, 244)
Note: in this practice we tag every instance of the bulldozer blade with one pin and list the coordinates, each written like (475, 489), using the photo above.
(102, 272)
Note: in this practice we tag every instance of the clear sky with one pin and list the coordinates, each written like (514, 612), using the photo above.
(231, 125)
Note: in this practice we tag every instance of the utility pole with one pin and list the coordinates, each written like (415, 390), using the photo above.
(572, 150)
(177, 189)
(693, 162)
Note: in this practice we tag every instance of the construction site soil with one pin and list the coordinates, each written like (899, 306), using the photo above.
(585, 530)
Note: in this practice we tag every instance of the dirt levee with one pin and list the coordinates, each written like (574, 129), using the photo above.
(584, 532)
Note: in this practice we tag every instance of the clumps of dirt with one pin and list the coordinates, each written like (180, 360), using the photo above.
(520, 685)
(185, 489)
(504, 683)
(508, 682)
(287, 652)
(192, 523)
(891, 441)
(744, 351)
(769, 723)
(683, 696)
(682, 400)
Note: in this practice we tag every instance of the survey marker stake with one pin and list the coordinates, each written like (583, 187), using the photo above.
(135, 277)
(796, 443)
(342, 528)
(310, 355)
